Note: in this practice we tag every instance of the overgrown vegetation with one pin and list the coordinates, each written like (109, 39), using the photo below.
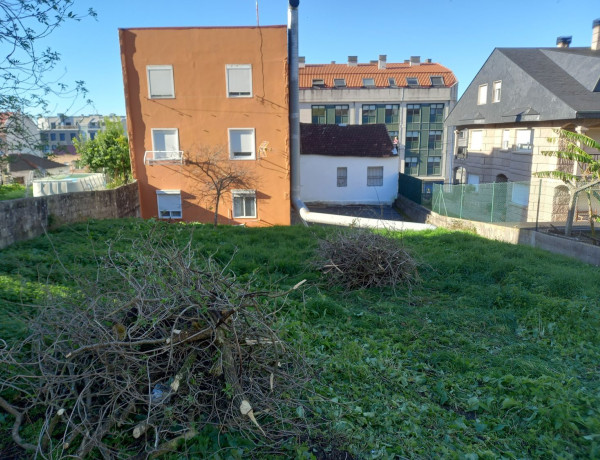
(12, 191)
(494, 354)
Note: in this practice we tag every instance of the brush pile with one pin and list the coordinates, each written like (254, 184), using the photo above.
(135, 362)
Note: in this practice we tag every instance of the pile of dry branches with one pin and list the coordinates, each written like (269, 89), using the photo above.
(161, 343)
(358, 258)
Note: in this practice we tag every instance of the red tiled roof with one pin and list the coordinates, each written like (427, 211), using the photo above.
(354, 74)
(349, 141)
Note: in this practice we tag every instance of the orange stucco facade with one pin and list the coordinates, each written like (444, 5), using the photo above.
(203, 113)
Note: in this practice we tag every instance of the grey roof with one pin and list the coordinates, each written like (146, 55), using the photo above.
(27, 162)
(538, 84)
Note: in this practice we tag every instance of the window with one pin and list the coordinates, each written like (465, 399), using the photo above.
(61, 136)
(520, 194)
(53, 125)
(369, 82)
(391, 113)
(319, 115)
(437, 81)
(73, 135)
(506, 139)
(411, 166)
(52, 136)
(318, 82)
(374, 176)
(369, 114)
(435, 140)
(241, 143)
(434, 166)
(169, 204)
(164, 141)
(53, 147)
(412, 81)
(92, 135)
(436, 113)
(412, 139)
(342, 177)
(496, 91)
(392, 82)
(339, 82)
(244, 203)
(482, 95)
(524, 143)
(476, 140)
(239, 80)
(160, 82)
(341, 114)
(413, 113)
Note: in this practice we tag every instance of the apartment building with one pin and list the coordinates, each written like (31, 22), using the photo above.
(225, 91)
(411, 98)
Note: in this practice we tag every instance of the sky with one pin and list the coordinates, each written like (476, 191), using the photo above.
(459, 34)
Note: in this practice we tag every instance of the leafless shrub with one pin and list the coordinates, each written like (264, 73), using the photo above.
(160, 344)
(358, 258)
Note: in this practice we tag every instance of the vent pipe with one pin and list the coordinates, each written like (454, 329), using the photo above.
(596, 35)
(294, 98)
(563, 42)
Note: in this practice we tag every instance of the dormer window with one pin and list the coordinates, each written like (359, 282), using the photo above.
(412, 81)
(497, 91)
(339, 82)
(392, 82)
(318, 82)
(437, 81)
(369, 82)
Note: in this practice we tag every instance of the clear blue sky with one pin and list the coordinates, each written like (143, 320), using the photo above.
(459, 34)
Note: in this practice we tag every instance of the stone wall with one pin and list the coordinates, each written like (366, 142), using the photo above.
(29, 217)
(525, 234)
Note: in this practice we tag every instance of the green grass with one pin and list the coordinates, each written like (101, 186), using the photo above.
(12, 191)
(494, 355)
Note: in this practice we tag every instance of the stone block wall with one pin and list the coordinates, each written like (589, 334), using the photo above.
(28, 217)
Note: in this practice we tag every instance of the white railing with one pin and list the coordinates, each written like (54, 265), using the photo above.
(163, 156)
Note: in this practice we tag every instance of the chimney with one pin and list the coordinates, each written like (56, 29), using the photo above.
(596, 35)
(429, 61)
(382, 61)
(406, 61)
(415, 60)
(373, 61)
(563, 42)
(301, 62)
(352, 61)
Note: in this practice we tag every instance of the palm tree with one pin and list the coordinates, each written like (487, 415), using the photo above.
(585, 175)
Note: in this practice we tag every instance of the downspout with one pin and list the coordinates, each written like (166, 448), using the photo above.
(297, 203)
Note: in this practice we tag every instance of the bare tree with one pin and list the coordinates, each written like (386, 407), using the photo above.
(217, 173)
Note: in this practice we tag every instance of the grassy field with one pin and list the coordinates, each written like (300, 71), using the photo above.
(495, 354)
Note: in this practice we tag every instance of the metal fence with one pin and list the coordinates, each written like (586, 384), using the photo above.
(537, 201)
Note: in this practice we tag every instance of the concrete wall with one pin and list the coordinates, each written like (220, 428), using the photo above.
(318, 180)
(29, 217)
(528, 236)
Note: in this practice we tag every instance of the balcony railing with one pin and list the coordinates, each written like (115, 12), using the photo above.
(163, 156)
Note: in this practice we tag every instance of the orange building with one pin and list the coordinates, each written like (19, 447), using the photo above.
(209, 97)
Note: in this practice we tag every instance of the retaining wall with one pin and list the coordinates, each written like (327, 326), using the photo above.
(524, 234)
(28, 217)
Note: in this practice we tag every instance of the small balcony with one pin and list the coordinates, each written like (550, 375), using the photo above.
(163, 157)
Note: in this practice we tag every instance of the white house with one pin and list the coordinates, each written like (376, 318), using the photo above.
(344, 165)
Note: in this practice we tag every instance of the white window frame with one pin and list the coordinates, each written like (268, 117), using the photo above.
(229, 67)
(523, 146)
(232, 155)
(482, 94)
(342, 179)
(149, 68)
(519, 194)
(506, 145)
(476, 135)
(371, 177)
(243, 194)
(496, 91)
(174, 209)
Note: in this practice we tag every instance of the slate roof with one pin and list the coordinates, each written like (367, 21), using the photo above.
(351, 140)
(27, 162)
(354, 74)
